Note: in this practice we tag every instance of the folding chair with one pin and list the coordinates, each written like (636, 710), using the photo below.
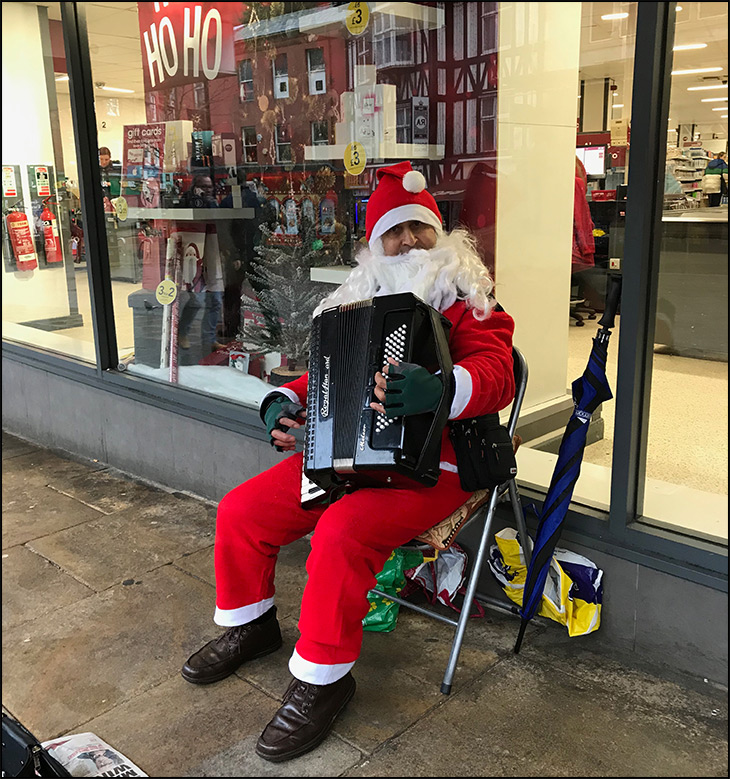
(505, 492)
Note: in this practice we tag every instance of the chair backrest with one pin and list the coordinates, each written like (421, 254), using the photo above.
(520, 372)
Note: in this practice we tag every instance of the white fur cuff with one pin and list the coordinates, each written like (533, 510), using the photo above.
(462, 394)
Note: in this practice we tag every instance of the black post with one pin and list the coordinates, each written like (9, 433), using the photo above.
(640, 264)
(76, 41)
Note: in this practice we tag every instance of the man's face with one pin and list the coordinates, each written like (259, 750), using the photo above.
(205, 185)
(104, 160)
(406, 236)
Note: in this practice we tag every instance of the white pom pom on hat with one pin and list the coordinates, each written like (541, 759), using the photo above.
(414, 181)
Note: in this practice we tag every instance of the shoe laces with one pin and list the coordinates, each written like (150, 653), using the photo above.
(302, 694)
(232, 636)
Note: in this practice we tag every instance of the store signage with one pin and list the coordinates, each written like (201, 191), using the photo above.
(185, 42)
(420, 120)
(10, 188)
(42, 182)
(143, 159)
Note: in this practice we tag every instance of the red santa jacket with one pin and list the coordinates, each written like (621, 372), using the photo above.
(483, 369)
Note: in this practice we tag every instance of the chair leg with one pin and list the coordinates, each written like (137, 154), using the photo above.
(469, 597)
(525, 539)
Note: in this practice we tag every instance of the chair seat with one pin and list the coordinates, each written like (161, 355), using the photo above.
(444, 533)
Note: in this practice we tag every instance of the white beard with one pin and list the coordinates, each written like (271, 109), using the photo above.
(451, 271)
(404, 273)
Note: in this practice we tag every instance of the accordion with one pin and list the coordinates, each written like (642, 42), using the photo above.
(347, 443)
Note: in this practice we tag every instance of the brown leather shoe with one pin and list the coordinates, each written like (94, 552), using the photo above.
(222, 656)
(304, 719)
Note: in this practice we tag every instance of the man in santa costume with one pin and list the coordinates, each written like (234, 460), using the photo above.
(354, 536)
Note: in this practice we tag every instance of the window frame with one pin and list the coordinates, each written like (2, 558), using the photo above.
(245, 146)
(623, 535)
(244, 82)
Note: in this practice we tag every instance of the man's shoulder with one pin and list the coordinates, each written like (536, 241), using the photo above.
(456, 312)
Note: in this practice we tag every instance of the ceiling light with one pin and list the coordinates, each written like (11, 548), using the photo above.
(678, 8)
(62, 78)
(618, 105)
(724, 108)
(688, 46)
(712, 99)
(696, 70)
(607, 17)
(713, 86)
(724, 116)
(117, 89)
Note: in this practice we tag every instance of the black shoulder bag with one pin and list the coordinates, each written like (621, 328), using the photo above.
(484, 452)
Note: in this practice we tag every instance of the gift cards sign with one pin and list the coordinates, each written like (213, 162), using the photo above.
(184, 42)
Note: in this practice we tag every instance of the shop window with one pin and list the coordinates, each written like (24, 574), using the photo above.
(488, 23)
(46, 299)
(487, 122)
(283, 144)
(281, 76)
(403, 123)
(200, 95)
(250, 145)
(320, 133)
(317, 72)
(393, 41)
(245, 81)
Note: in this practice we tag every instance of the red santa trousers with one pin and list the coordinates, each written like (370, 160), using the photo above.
(352, 540)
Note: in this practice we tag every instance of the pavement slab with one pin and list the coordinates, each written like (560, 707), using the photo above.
(31, 513)
(527, 719)
(62, 669)
(32, 587)
(109, 585)
(181, 729)
(107, 551)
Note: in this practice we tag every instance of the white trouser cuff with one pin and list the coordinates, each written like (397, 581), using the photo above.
(314, 673)
(229, 618)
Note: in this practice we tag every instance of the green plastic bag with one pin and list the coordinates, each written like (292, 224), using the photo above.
(383, 613)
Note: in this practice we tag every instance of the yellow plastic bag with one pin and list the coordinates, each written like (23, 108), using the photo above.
(573, 592)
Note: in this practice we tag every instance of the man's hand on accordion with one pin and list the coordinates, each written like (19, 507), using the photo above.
(404, 389)
(280, 416)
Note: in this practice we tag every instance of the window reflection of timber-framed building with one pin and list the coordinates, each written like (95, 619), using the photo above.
(449, 73)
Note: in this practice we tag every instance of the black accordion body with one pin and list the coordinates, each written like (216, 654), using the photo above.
(346, 442)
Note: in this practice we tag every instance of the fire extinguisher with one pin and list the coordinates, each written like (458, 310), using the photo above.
(51, 239)
(21, 239)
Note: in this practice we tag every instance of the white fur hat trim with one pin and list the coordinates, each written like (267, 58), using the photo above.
(414, 181)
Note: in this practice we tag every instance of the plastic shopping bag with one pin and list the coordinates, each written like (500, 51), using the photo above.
(573, 592)
(383, 613)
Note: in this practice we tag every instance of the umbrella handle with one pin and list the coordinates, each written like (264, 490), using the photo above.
(612, 300)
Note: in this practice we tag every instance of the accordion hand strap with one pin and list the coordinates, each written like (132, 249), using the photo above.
(446, 366)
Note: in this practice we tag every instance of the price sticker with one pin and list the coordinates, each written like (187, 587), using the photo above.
(358, 17)
(166, 292)
(120, 208)
(355, 158)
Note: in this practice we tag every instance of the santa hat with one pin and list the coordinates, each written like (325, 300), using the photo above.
(400, 196)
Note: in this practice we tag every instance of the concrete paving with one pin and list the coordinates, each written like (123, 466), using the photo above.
(108, 586)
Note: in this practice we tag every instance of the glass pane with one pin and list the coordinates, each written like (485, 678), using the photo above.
(687, 463)
(482, 100)
(46, 300)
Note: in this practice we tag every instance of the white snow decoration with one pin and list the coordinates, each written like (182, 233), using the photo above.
(414, 181)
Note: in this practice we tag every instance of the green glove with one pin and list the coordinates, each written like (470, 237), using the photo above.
(282, 407)
(411, 389)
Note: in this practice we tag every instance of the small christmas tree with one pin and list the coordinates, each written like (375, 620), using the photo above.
(285, 294)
